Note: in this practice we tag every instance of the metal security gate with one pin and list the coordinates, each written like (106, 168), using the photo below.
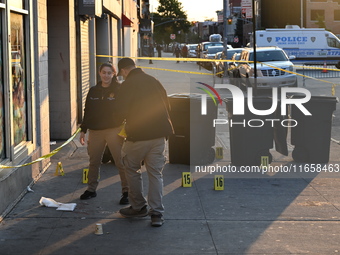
(84, 62)
(319, 71)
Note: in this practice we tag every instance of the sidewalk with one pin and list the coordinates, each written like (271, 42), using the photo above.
(254, 214)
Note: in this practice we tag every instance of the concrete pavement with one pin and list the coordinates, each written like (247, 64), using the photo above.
(271, 213)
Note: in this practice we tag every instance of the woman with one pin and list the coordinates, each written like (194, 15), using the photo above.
(101, 122)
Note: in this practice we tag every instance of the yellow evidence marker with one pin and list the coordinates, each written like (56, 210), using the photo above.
(85, 175)
(264, 162)
(219, 182)
(186, 179)
(219, 153)
(59, 170)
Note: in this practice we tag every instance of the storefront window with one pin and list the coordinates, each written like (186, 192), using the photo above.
(2, 140)
(18, 79)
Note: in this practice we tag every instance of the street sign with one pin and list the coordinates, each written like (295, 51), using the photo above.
(246, 3)
(249, 13)
(172, 36)
(247, 9)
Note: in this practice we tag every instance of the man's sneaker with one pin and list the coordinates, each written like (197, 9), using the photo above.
(128, 212)
(88, 194)
(157, 220)
(125, 199)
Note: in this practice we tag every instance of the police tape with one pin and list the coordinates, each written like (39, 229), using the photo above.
(224, 60)
(209, 60)
(176, 71)
(55, 151)
(220, 73)
(309, 77)
(214, 60)
(156, 58)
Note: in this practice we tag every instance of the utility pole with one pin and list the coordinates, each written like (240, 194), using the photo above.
(254, 46)
(225, 32)
(301, 14)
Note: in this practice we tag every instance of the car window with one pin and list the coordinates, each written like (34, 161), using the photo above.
(205, 46)
(237, 56)
(214, 50)
(267, 56)
(230, 53)
(333, 43)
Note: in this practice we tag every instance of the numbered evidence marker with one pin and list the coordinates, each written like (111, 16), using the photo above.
(59, 170)
(186, 179)
(219, 153)
(85, 175)
(264, 161)
(219, 182)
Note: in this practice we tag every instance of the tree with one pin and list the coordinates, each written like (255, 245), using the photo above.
(170, 19)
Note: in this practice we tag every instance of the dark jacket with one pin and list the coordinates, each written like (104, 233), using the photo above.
(100, 110)
(177, 51)
(143, 103)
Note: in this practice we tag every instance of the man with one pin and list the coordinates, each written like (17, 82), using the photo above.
(144, 105)
(151, 49)
(159, 50)
(185, 51)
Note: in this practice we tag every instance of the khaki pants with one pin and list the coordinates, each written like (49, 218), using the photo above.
(152, 152)
(97, 141)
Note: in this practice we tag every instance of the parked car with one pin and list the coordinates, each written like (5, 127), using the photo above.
(270, 71)
(192, 50)
(220, 64)
(203, 47)
(210, 54)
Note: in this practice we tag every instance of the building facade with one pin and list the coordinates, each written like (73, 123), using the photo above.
(327, 11)
(305, 13)
(50, 51)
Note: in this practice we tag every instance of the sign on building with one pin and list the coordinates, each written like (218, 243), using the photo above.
(247, 10)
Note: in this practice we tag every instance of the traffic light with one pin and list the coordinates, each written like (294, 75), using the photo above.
(230, 21)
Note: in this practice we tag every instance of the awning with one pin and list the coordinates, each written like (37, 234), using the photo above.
(126, 21)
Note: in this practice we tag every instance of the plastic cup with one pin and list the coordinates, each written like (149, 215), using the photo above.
(99, 229)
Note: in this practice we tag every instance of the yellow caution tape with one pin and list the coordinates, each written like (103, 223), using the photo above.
(333, 84)
(166, 59)
(320, 68)
(47, 155)
(223, 60)
(176, 71)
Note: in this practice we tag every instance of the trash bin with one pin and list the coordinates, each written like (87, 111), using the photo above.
(194, 133)
(312, 135)
(252, 136)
